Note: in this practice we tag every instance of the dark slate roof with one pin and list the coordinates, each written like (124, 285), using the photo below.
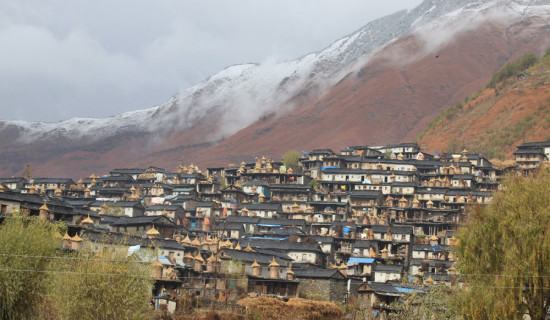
(79, 202)
(261, 258)
(52, 180)
(317, 273)
(107, 219)
(35, 201)
(534, 144)
(283, 222)
(118, 179)
(529, 151)
(303, 187)
(261, 206)
(275, 253)
(321, 151)
(321, 239)
(127, 171)
(241, 219)
(432, 263)
(156, 220)
(365, 194)
(395, 268)
(383, 288)
(394, 229)
(390, 161)
(369, 171)
(429, 247)
(402, 145)
(117, 203)
(280, 245)
(156, 169)
(351, 158)
(431, 190)
(204, 204)
(117, 238)
(285, 232)
(405, 184)
(230, 226)
(364, 244)
(159, 207)
(12, 180)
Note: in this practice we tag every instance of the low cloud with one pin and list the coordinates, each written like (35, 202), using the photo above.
(66, 59)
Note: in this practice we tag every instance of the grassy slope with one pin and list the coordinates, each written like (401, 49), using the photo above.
(495, 120)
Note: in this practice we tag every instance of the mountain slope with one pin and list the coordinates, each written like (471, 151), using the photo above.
(496, 120)
(381, 84)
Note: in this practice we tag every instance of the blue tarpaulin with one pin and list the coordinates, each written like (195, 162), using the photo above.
(330, 167)
(407, 290)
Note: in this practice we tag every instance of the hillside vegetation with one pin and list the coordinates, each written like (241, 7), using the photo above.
(513, 108)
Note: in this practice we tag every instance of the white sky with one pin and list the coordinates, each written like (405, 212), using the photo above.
(61, 59)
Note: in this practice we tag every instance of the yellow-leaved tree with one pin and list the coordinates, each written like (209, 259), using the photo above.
(504, 252)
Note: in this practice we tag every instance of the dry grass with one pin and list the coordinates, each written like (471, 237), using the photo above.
(296, 308)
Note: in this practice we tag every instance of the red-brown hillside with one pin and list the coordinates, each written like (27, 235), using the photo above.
(496, 121)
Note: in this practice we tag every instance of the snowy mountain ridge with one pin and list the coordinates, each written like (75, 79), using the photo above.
(241, 94)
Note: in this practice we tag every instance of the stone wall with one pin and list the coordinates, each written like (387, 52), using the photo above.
(327, 289)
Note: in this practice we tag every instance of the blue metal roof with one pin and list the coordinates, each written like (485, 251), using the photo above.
(355, 261)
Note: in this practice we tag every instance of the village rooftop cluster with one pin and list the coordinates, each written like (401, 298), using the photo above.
(370, 222)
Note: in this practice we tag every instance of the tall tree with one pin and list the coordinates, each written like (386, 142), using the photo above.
(27, 245)
(291, 160)
(27, 172)
(504, 252)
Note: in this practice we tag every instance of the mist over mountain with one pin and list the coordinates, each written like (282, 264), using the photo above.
(381, 84)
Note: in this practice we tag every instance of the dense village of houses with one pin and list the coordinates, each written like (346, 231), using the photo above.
(375, 223)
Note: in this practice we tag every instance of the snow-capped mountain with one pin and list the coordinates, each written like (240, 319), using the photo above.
(240, 95)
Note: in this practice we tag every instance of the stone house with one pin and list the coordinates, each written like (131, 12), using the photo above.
(359, 266)
(263, 210)
(47, 186)
(378, 299)
(330, 284)
(387, 272)
(139, 226)
(174, 212)
(118, 208)
(15, 183)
